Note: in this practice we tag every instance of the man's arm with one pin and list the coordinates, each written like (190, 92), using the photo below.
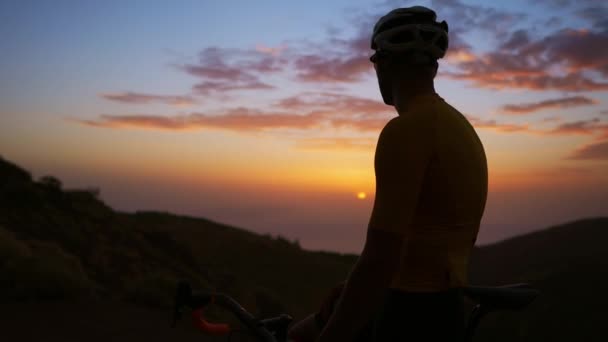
(364, 288)
(404, 150)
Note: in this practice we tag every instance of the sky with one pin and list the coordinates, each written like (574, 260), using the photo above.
(265, 114)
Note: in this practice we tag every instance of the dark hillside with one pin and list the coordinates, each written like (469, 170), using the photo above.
(88, 270)
(139, 257)
(569, 264)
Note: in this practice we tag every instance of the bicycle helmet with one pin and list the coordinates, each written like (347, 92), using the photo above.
(411, 29)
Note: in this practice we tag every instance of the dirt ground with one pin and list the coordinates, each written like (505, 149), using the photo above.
(95, 321)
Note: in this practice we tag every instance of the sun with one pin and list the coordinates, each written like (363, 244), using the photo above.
(361, 195)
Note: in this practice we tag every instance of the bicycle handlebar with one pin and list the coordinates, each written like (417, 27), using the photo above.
(510, 297)
(270, 330)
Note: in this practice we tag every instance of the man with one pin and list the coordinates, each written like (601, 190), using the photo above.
(431, 189)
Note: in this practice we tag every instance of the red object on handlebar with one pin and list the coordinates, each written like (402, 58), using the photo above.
(210, 328)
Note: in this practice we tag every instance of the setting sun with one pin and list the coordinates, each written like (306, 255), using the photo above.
(361, 195)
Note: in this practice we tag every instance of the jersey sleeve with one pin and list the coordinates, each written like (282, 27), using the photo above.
(404, 149)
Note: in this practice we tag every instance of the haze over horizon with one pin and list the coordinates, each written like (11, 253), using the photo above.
(265, 115)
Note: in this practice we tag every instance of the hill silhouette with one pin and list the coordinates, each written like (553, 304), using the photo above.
(569, 264)
(64, 253)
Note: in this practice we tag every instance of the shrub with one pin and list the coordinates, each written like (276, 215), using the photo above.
(39, 270)
(51, 183)
(11, 248)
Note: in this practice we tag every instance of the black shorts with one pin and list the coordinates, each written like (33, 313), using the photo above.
(408, 316)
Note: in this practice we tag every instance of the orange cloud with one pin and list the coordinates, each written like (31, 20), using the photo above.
(592, 151)
(460, 56)
(238, 119)
(565, 102)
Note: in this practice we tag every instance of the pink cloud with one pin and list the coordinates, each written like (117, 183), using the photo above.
(335, 102)
(496, 126)
(317, 68)
(141, 98)
(564, 102)
(211, 86)
(273, 51)
(523, 63)
(222, 70)
(584, 127)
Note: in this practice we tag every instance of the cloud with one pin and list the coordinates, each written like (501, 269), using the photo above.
(565, 102)
(496, 126)
(237, 119)
(307, 111)
(334, 102)
(596, 14)
(463, 17)
(552, 119)
(346, 60)
(489, 73)
(222, 69)
(313, 110)
(592, 151)
(318, 68)
(343, 111)
(137, 120)
(557, 61)
(585, 127)
(336, 60)
(580, 127)
(141, 98)
(518, 39)
(563, 60)
(273, 51)
(208, 87)
(577, 49)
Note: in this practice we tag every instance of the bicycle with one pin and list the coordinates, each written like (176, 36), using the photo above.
(274, 329)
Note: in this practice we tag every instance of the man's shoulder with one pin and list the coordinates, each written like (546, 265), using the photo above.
(411, 122)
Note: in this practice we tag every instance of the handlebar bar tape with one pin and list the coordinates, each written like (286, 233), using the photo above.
(210, 328)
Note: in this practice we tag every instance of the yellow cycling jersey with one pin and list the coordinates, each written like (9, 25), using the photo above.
(431, 187)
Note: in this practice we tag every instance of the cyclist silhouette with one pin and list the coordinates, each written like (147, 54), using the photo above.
(431, 189)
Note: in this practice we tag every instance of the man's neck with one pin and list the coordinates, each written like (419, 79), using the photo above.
(404, 94)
